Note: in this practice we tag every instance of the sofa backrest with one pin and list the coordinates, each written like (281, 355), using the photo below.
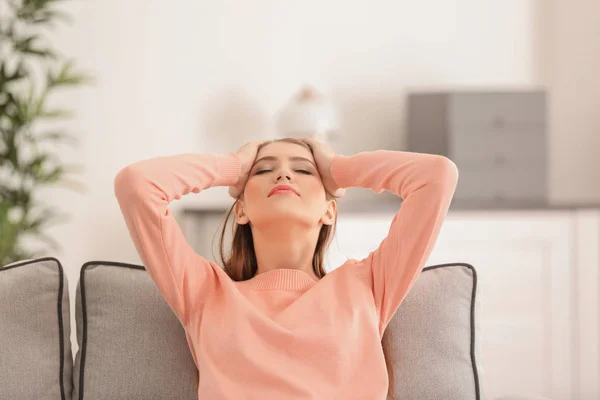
(132, 346)
(35, 346)
(433, 336)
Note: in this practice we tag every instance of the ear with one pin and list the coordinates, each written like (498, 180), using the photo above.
(240, 215)
(328, 218)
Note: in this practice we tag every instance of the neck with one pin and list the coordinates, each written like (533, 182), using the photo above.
(290, 248)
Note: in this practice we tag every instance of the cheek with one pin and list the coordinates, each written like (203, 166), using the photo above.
(314, 192)
(253, 190)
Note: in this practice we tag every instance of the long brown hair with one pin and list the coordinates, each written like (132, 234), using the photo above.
(240, 263)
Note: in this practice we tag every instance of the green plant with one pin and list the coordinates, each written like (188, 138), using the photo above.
(30, 71)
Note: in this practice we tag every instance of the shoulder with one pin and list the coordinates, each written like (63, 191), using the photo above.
(350, 271)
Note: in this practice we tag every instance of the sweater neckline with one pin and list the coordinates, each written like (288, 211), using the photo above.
(282, 279)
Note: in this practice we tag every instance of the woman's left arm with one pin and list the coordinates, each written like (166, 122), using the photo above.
(426, 184)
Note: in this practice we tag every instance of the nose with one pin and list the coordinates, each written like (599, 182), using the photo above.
(283, 171)
(280, 175)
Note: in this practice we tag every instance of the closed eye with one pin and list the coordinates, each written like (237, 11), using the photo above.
(302, 171)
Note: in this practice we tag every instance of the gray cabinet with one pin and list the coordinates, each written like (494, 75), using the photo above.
(497, 139)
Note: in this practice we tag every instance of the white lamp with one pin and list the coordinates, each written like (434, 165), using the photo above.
(308, 114)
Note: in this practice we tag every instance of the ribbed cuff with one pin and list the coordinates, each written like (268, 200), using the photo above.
(342, 170)
(229, 168)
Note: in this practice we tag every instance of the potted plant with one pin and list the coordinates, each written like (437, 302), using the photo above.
(30, 72)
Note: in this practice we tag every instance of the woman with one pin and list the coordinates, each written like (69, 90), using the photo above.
(272, 324)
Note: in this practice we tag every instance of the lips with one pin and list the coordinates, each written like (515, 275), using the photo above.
(283, 188)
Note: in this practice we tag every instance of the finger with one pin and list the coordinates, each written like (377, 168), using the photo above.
(236, 191)
(257, 144)
(339, 193)
(311, 142)
(307, 140)
(232, 192)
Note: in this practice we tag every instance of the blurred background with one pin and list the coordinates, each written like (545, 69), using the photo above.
(508, 89)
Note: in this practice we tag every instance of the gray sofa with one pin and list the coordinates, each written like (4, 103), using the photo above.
(131, 346)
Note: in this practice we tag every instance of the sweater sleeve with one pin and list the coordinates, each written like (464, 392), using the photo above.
(426, 184)
(144, 190)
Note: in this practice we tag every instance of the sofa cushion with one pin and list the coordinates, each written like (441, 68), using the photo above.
(131, 344)
(432, 336)
(35, 349)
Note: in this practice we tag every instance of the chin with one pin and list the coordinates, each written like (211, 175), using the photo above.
(282, 213)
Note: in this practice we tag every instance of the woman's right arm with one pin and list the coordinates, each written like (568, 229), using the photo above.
(144, 190)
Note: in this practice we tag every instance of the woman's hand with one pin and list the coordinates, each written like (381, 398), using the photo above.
(323, 156)
(247, 155)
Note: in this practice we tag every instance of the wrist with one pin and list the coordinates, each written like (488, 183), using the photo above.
(229, 167)
(341, 170)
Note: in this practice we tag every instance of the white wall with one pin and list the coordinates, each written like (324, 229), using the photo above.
(207, 76)
(190, 75)
(572, 60)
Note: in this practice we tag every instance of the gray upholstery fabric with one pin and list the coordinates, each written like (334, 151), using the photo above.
(131, 344)
(35, 349)
(432, 337)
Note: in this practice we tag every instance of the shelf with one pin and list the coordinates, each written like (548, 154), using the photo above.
(358, 200)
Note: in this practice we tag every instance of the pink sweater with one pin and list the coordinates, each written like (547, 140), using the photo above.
(281, 335)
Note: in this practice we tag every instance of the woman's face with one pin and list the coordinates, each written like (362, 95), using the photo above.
(292, 165)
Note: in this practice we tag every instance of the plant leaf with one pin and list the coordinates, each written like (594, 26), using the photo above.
(49, 16)
(73, 168)
(57, 113)
(27, 45)
(45, 217)
(57, 137)
(19, 72)
(74, 185)
(67, 76)
(49, 240)
(52, 176)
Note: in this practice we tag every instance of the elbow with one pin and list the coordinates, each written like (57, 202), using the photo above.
(451, 170)
(446, 171)
(126, 180)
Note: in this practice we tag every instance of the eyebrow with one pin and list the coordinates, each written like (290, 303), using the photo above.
(273, 158)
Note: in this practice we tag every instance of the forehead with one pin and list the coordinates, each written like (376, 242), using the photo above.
(284, 150)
